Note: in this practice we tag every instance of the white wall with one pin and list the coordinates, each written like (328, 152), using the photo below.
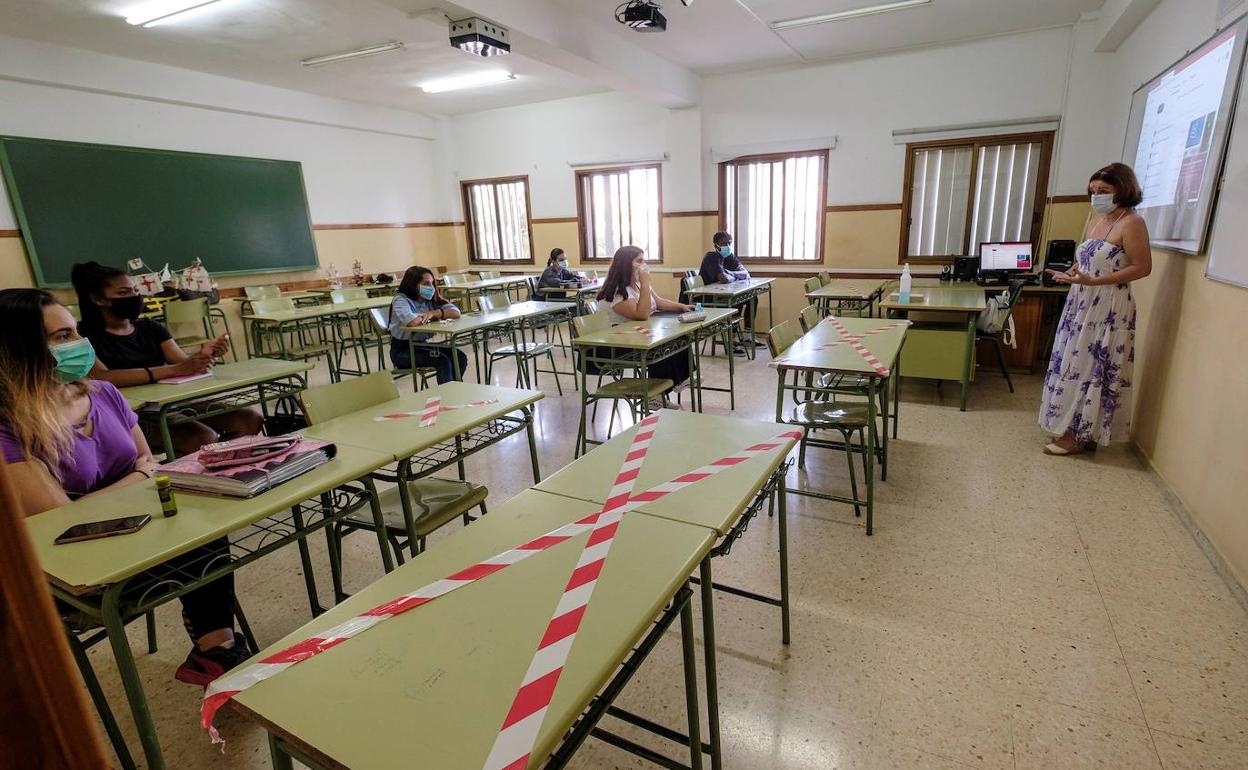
(360, 163)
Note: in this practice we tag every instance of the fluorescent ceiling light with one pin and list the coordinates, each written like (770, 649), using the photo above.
(483, 78)
(853, 13)
(359, 53)
(153, 13)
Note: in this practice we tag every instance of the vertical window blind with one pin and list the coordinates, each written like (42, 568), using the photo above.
(620, 207)
(497, 219)
(774, 205)
(961, 194)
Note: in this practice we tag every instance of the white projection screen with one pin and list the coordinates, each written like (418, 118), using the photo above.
(1177, 135)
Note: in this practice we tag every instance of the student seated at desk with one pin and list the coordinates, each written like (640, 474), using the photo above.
(629, 295)
(416, 303)
(65, 437)
(721, 265)
(131, 350)
(556, 275)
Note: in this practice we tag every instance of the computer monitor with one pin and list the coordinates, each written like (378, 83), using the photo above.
(1005, 256)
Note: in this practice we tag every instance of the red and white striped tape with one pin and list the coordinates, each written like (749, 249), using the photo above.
(226, 687)
(644, 331)
(441, 409)
(855, 341)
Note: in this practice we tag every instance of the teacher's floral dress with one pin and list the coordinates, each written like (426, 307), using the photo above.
(1087, 388)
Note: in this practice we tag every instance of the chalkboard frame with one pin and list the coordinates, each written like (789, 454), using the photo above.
(28, 236)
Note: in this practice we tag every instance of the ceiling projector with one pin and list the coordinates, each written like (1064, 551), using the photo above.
(641, 15)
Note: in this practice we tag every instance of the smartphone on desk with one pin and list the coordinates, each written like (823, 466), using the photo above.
(94, 530)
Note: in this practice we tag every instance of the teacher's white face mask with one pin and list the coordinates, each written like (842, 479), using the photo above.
(1103, 203)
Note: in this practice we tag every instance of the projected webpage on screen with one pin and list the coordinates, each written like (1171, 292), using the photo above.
(1182, 124)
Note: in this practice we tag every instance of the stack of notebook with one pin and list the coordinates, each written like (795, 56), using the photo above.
(250, 478)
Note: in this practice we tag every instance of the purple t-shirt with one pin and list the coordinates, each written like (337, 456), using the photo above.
(95, 460)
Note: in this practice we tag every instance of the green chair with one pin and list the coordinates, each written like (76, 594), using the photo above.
(180, 313)
(809, 318)
(526, 353)
(824, 278)
(353, 294)
(262, 292)
(453, 279)
(425, 504)
(421, 375)
(635, 392)
(847, 418)
(305, 342)
(487, 275)
(813, 284)
(1015, 292)
(350, 330)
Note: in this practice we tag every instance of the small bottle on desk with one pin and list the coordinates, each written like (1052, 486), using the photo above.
(164, 490)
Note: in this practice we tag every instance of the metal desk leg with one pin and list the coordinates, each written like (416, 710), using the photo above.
(166, 435)
(970, 356)
(528, 429)
(281, 760)
(782, 511)
(872, 443)
(305, 559)
(101, 703)
(691, 685)
(379, 522)
(712, 676)
(732, 382)
(129, 673)
(880, 390)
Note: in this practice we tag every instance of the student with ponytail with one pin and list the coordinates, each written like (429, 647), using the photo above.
(132, 350)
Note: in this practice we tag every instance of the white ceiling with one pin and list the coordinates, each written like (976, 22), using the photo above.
(559, 48)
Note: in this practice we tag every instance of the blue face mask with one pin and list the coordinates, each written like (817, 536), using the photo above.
(74, 359)
(725, 251)
(427, 292)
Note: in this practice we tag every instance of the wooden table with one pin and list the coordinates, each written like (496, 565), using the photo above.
(470, 290)
(332, 324)
(822, 351)
(109, 582)
(735, 294)
(578, 294)
(373, 289)
(942, 341)
(255, 381)
(431, 687)
(853, 293)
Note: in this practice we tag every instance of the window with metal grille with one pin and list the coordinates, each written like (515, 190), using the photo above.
(773, 205)
(961, 193)
(496, 217)
(620, 206)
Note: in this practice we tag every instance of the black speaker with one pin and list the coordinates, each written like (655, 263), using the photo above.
(965, 268)
(1060, 256)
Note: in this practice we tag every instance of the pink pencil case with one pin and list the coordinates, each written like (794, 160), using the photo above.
(246, 451)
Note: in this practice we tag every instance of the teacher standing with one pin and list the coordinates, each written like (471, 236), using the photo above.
(1087, 388)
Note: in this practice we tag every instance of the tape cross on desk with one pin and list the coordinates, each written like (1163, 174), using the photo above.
(433, 407)
(855, 341)
(517, 733)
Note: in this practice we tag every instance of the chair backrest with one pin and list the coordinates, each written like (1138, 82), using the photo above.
(262, 292)
(488, 274)
(381, 319)
(1016, 292)
(824, 278)
(355, 294)
(531, 281)
(813, 283)
(186, 311)
(350, 395)
(489, 302)
(809, 318)
(590, 322)
(780, 337)
(692, 282)
(453, 279)
(591, 306)
(273, 305)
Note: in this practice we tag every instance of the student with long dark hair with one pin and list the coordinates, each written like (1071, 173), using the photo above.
(132, 350)
(556, 274)
(629, 295)
(64, 436)
(416, 303)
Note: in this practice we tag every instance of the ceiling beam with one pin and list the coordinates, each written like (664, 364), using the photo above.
(558, 34)
(1119, 18)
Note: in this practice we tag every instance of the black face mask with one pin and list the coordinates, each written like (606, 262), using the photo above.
(129, 308)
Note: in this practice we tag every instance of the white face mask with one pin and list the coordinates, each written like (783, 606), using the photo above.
(1103, 203)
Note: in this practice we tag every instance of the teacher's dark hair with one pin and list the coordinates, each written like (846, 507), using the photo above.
(410, 285)
(1127, 191)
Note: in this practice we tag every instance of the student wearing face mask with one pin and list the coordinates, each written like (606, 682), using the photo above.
(1086, 399)
(131, 350)
(64, 437)
(416, 303)
(720, 265)
(556, 275)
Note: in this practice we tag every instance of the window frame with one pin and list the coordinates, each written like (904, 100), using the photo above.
(469, 230)
(1040, 202)
(581, 215)
(822, 221)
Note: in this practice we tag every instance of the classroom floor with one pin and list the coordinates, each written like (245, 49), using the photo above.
(1012, 610)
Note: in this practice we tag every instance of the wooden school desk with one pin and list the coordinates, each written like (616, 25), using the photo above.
(468, 291)
(847, 293)
(725, 503)
(431, 687)
(107, 581)
(315, 321)
(578, 294)
(255, 381)
(738, 293)
(942, 341)
(822, 351)
(373, 289)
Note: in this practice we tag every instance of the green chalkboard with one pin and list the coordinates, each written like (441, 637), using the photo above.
(76, 202)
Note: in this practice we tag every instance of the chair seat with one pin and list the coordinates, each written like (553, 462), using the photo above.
(306, 351)
(634, 387)
(524, 348)
(830, 413)
(435, 502)
(842, 381)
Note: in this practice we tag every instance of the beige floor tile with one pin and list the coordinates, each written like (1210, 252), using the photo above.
(1196, 634)
(888, 756)
(1091, 676)
(966, 722)
(1050, 736)
(1209, 704)
(1179, 753)
(1074, 612)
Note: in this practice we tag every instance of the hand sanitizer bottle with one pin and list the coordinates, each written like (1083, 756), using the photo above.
(904, 294)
